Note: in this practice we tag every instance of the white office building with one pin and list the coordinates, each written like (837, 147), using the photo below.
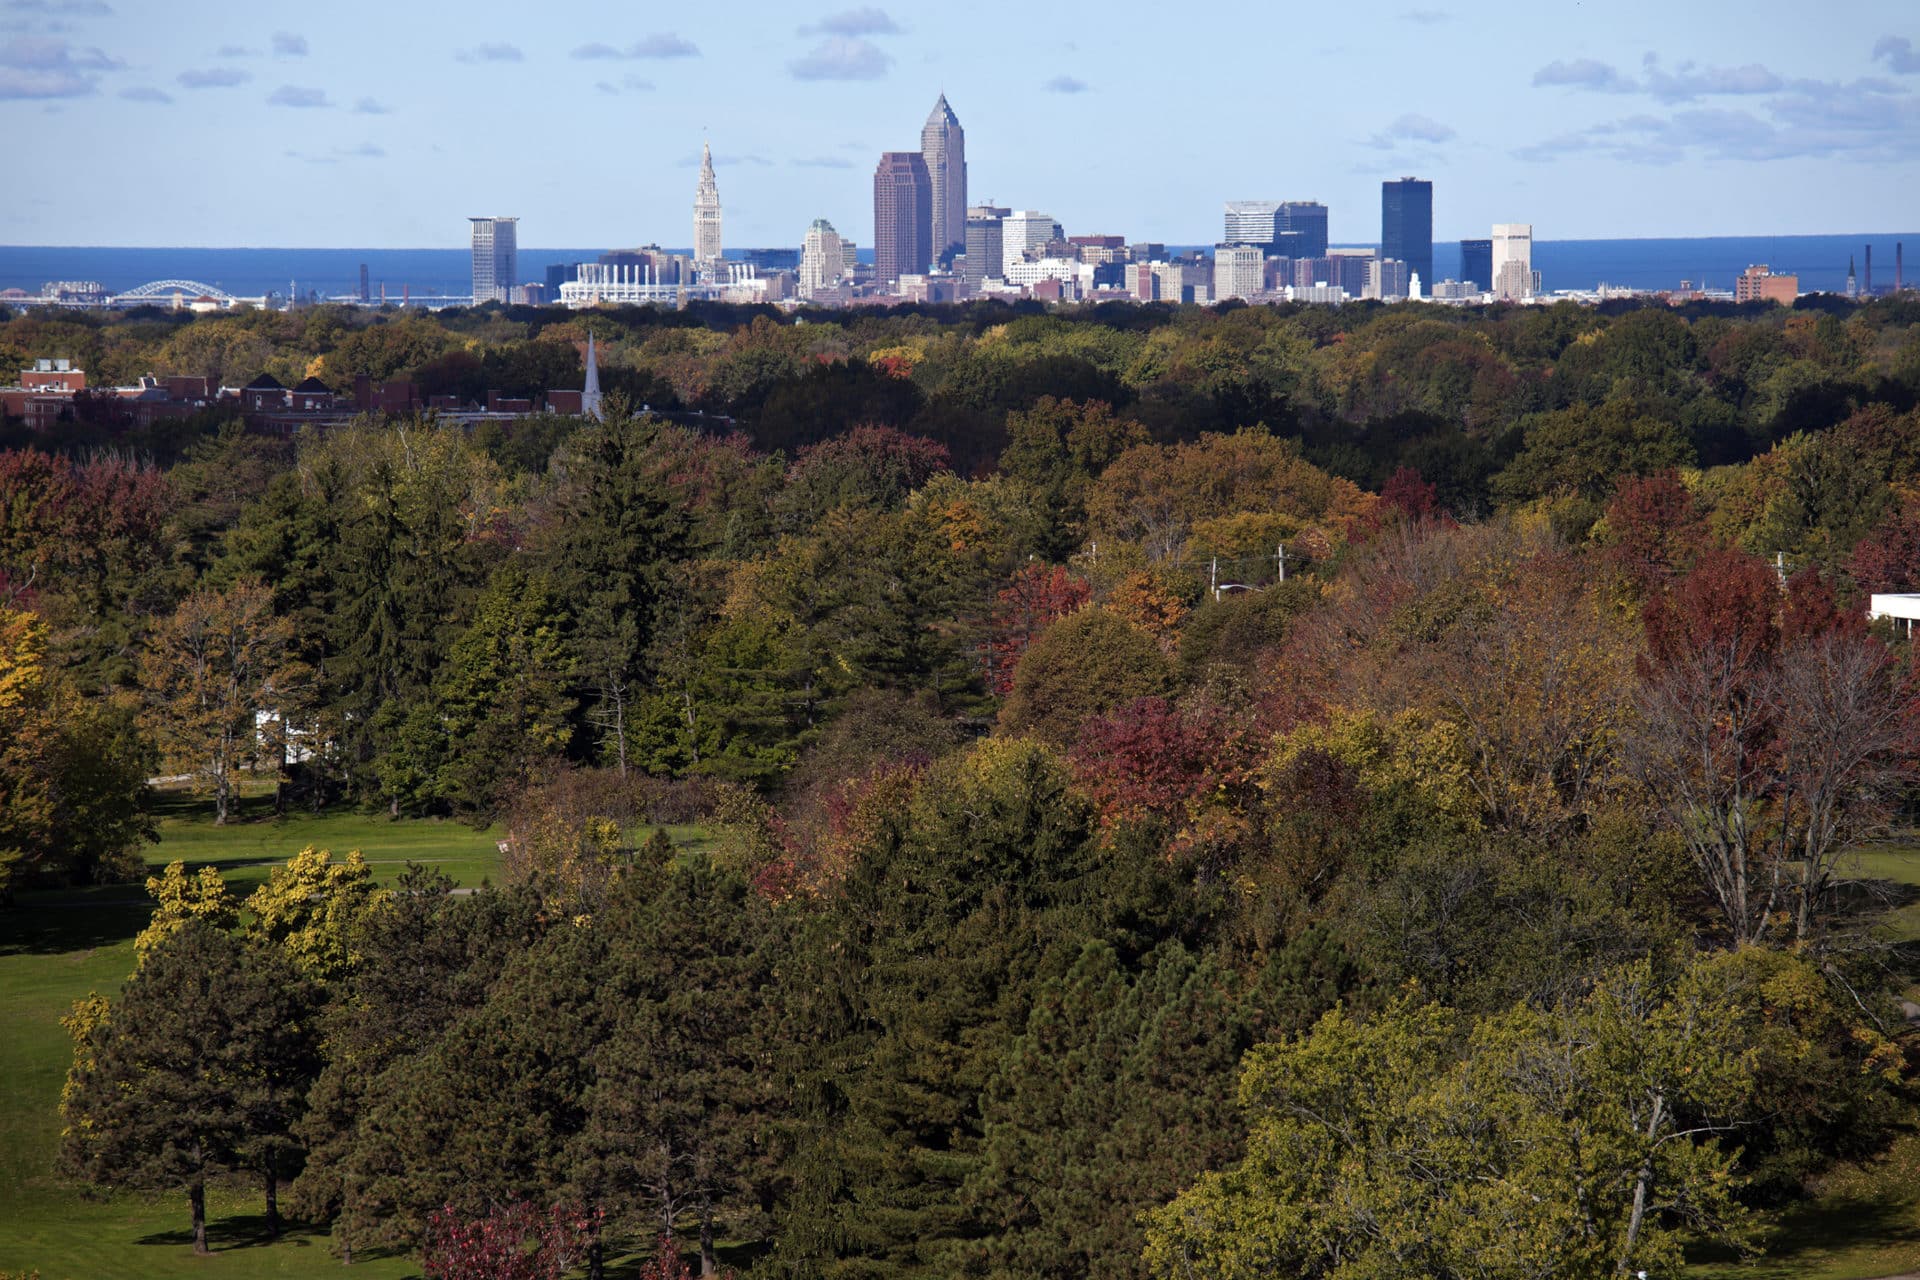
(496, 258)
(1239, 271)
(1514, 279)
(1068, 271)
(825, 258)
(1251, 222)
(1022, 230)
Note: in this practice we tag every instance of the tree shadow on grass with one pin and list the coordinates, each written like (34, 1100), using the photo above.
(1799, 1236)
(233, 1233)
(60, 921)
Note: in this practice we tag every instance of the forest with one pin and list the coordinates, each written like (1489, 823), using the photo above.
(1373, 791)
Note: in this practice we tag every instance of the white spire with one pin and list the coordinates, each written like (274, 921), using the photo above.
(590, 394)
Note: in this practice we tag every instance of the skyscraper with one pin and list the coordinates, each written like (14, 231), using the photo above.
(1406, 225)
(1513, 276)
(1476, 264)
(1022, 230)
(902, 217)
(496, 258)
(1251, 222)
(943, 145)
(1300, 229)
(1239, 271)
(825, 256)
(986, 259)
(706, 211)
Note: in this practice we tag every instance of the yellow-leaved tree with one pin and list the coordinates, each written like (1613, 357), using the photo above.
(181, 897)
(312, 906)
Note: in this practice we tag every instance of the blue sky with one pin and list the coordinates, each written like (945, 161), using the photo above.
(364, 123)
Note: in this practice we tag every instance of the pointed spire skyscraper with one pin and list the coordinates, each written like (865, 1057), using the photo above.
(706, 211)
(943, 144)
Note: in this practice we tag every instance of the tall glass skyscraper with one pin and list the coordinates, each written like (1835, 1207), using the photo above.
(1406, 226)
(496, 258)
(1476, 264)
(943, 145)
(1300, 229)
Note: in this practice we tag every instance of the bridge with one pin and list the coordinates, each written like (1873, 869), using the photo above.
(168, 288)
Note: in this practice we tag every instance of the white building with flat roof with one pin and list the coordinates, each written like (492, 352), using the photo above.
(1903, 608)
(496, 258)
(1251, 221)
(1514, 278)
(1022, 230)
(1239, 271)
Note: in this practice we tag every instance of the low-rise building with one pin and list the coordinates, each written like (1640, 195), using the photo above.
(1759, 284)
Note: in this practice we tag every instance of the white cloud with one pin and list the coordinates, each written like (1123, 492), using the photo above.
(145, 93)
(663, 44)
(866, 20)
(293, 95)
(491, 52)
(289, 45)
(1584, 73)
(371, 107)
(1899, 54)
(213, 78)
(1411, 129)
(1065, 84)
(48, 67)
(841, 58)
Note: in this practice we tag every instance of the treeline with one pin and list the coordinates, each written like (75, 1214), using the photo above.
(1407, 829)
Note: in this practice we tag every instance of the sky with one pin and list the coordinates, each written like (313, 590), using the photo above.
(386, 123)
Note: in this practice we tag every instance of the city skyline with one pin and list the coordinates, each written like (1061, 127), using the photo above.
(1738, 126)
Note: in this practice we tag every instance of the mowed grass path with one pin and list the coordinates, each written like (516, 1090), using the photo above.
(57, 946)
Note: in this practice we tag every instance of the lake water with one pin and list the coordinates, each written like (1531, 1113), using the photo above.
(1820, 261)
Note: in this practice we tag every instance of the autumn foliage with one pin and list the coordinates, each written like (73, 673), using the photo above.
(514, 1242)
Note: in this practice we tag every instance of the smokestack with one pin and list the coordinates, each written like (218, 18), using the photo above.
(1868, 281)
(1899, 267)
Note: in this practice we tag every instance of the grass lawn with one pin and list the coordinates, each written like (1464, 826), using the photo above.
(1864, 1225)
(57, 946)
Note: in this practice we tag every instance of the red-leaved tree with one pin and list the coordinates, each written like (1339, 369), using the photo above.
(1773, 733)
(1409, 493)
(1654, 530)
(1888, 559)
(1189, 766)
(514, 1242)
(1038, 596)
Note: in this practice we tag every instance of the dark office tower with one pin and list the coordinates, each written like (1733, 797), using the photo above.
(1300, 229)
(1406, 226)
(902, 217)
(1476, 264)
(366, 294)
(985, 244)
(943, 144)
